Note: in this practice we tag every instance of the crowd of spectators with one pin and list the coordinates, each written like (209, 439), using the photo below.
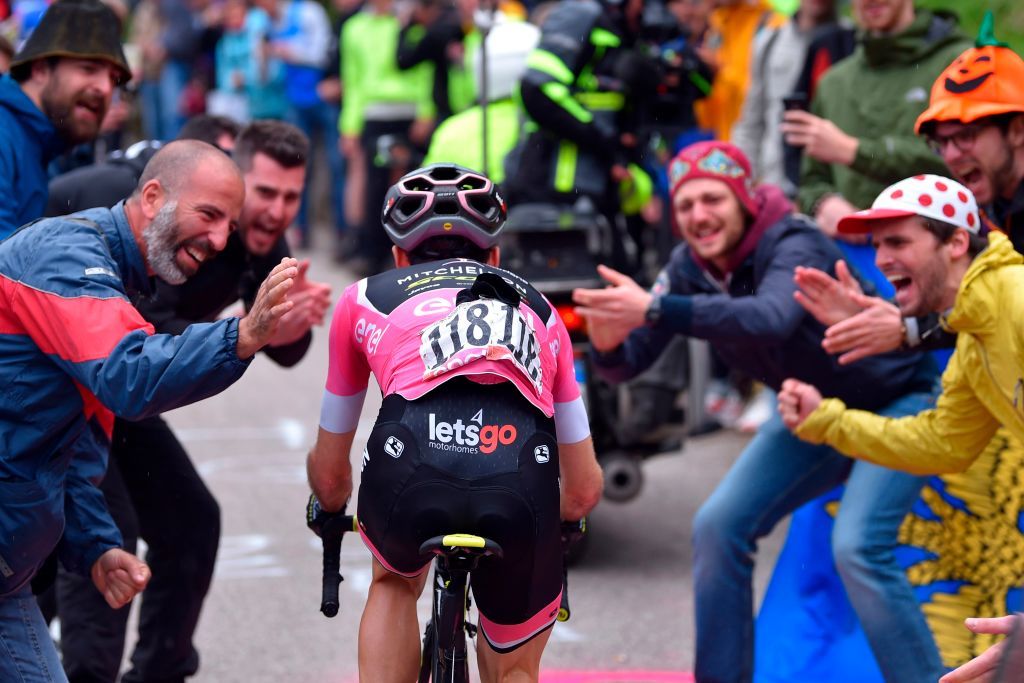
(827, 108)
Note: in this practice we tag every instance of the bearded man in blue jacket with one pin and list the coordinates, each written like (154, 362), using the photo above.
(74, 352)
(731, 283)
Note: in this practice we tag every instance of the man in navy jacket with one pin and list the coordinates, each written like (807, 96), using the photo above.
(731, 283)
(74, 352)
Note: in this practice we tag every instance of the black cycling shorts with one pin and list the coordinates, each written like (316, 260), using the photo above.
(474, 459)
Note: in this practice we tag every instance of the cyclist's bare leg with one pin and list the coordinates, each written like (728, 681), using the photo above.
(389, 633)
(522, 665)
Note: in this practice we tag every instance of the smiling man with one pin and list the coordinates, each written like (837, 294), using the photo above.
(939, 264)
(62, 81)
(732, 284)
(76, 352)
(184, 519)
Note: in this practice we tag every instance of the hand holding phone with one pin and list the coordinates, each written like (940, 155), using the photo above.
(795, 101)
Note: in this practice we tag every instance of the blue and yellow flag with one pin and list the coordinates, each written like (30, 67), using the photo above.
(963, 551)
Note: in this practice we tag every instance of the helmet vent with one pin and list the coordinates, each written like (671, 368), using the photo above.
(408, 207)
(483, 205)
(444, 173)
(472, 183)
(418, 184)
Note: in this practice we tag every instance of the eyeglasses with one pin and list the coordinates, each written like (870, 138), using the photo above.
(963, 139)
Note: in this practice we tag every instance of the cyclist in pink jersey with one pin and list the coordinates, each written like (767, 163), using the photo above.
(482, 428)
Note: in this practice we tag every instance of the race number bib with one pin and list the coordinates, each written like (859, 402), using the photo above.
(482, 329)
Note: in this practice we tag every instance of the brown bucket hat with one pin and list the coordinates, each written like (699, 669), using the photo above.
(83, 29)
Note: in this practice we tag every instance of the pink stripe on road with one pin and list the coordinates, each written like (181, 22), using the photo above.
(616, 677)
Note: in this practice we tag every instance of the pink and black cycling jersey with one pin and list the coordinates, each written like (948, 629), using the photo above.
(405, 327)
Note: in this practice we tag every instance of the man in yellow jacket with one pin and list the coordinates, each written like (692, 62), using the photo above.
(925, 230)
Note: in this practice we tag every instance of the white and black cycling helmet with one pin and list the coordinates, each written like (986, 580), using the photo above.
(445, 200)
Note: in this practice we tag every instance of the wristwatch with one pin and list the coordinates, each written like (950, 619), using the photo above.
(653, 313)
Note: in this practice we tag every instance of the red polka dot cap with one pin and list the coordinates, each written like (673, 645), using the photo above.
(931, 196)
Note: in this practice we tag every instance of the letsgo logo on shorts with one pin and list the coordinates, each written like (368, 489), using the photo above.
(469, 438)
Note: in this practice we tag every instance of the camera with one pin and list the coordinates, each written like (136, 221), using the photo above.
(662, 73)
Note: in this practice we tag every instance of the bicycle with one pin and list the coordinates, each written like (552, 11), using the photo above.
(445, 653)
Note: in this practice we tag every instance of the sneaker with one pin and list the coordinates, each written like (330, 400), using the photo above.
(723, 403)
(758, 410)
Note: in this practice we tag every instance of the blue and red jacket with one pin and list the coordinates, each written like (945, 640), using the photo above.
(73, 353)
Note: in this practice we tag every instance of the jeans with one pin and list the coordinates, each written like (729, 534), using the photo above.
(321, 117)
(774, 475)
(27, 653)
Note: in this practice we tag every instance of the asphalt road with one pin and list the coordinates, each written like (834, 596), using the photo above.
(632, 595)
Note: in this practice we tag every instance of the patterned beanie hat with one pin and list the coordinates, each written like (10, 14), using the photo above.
(719, 161)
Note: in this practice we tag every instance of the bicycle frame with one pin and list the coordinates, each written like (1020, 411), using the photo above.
(445, 654)
(444, 658)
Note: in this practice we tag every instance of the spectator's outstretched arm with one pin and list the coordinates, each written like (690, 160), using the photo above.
(624, 347)
(860, 326)
(98, 338)
(945, 439)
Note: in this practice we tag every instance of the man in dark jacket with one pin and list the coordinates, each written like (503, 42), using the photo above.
(62, 81)
(76, 352)
(152, 487)
(732, 284)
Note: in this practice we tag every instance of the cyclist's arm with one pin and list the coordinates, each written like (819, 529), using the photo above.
(329, 469)
(582, 481)
(327, 465)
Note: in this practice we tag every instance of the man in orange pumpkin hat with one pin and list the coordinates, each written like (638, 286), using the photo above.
(975, 122)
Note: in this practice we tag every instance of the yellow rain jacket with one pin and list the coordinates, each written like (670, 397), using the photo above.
(982, 388)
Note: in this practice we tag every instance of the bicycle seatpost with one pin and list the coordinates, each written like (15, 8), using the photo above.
(333, 531)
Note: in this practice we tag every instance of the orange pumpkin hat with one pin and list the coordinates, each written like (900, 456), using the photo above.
(986, 80)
